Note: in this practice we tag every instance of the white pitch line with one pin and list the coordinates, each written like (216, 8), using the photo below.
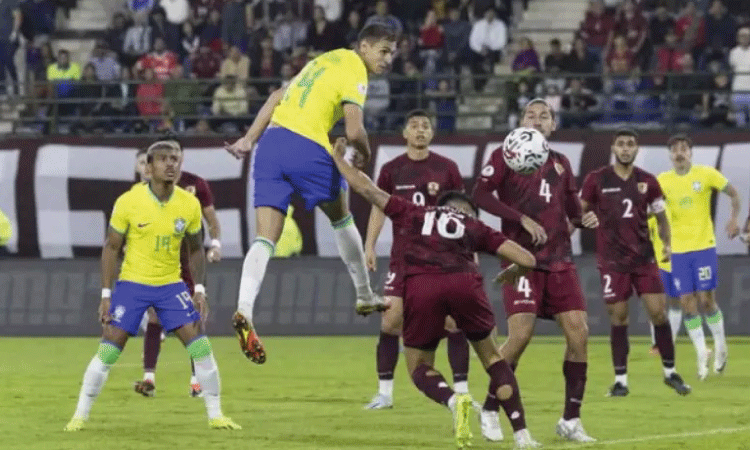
(655, 437)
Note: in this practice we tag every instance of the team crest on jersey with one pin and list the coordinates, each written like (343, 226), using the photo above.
(488, 171)
(433, 188)
(190, 189)
(559, 168)
(697, 186)
(642, 188)
(179, 225)
(118, 313)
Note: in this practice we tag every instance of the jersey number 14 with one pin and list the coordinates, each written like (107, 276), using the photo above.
(306, 81)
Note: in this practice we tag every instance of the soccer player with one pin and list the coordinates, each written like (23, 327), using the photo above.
(621, 196)
(536, 212)
(674, 312)
(687, 190)
(293, 156)
(441, 278)
(420, 176)
(153, 331)
(155, 217)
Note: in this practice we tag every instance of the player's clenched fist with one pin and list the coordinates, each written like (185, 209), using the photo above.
(104, 316)
(538, 235)
(589, 220)
(370, 260)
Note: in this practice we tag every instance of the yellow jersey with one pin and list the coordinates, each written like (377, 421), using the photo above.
(653, 231)
(154, 231)
(313, 101)
(688, 200)
(6, 229)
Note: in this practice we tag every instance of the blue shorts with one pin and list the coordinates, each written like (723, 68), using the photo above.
(172, 303)
(695, 271)
(285, 163)
(668, 282)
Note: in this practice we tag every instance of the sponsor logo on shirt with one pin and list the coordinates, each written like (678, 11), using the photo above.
(401, 187)
(524, 302)
(610, 190)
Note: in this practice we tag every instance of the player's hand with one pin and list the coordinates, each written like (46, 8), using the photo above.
(371, 261)
(732, 228)
(666, 254)
(104, 316)
(201, 305)
(511, 274)
(213, 254)
(339, 149)
(589, 220)
(538, 235)
(240, 148)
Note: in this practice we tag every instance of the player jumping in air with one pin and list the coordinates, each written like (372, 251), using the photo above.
(293, 156)
(441, 278)
(536, 210)
(155, 217)
(687, 190)
(420, 176)
(621, 196)
(152, 336)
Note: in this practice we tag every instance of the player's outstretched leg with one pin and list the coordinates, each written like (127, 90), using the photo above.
(458, 357)
(151, 349)
(715, 321)
(387, 353)
(93, 380)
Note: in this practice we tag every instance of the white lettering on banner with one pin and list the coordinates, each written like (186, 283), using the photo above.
(59, 228)
(8, 172)
(215, 164)
(735, 165)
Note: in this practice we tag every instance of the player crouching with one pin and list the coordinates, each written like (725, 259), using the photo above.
(441, 278)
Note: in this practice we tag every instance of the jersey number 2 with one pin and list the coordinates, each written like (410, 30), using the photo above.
(628, 208)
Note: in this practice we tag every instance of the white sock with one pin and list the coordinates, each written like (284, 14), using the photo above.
(675, 321)
(193, 380)
(653, 336)
(385, 387)
(669, 371)
(622, 379)
(694, 326)
(93, 381)
(207, 373)
(452, 402)
(352, 253)
(461, 387)
(149, 376)
(715, 323)
(253, 271)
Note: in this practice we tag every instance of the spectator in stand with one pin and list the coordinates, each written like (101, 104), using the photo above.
(91, 93)
(690, 29)
(137, 40)
(406, 89)
(631, 24)
(717, 103)
(121, 100)
(38, 20)
(688, 86)
(554, 65)
(583, 63)
(669, 55)
(721, 28)
(620, 59)
(268, 63)
(230, 99)
(176, 12)
(322, 36)
(739, 60)
(714, 56)
(211, 33)
(165, 30)
(200, 11)
(253, 34)
(236, 65)
(352, 27)
(431, 33)
(150, 98)
(488, 38)
(619, 82)
(331, 8)
(141, 6)
(38, 59)
(443, 102)
(183, 96)
(456, 31)
(161, 60)
(63, 74)
(233, 23)
(206, 63)
(596, 28)
(287, 73)
(201, 128)
(661, 23)
(190, 42)
(290, 33)
(404, 52)
(378, 100)
(577, 105)
(106, 66)
(10, 29)
(115, 35)
(382, 17)
(526, 61)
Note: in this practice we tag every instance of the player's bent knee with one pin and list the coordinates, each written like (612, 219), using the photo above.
(504, 392)
(108, 352)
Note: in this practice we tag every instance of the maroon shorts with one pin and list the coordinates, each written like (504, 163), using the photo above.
(432, 297)
(619, 286)
(394, 282)
(545, 294)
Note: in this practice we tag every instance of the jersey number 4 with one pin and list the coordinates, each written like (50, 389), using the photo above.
(544, 191)
(443, 220)
(524, 287)
(306, 81)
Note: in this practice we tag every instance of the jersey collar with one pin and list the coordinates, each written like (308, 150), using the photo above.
(155, 198)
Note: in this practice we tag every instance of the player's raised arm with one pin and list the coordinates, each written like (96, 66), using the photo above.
(243, 145)
(356, 134)
(110, 252)
(358, 181)
(214, 232)
(732, 227)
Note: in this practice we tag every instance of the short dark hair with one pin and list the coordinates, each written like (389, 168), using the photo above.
(625, 132)
(162, 144)
(418, 113)
(679, 137)
(554, 41)
(171, 136)
(375, 33)
(450, 196)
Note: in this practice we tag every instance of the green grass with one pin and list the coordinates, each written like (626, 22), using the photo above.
(309, 395)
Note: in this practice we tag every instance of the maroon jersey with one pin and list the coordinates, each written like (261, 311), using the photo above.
(198, 187)
(548, 196)
(439, 239)
(622, 239)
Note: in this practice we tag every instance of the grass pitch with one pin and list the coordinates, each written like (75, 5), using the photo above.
(310, 393)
